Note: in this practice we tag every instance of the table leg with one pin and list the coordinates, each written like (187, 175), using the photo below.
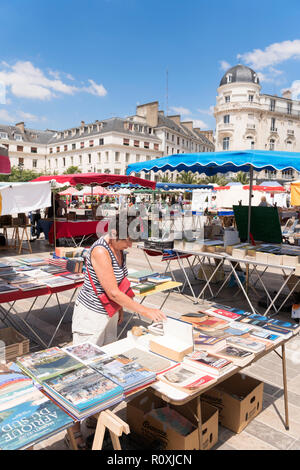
(284, 378)
(199, 418)
(72, 439)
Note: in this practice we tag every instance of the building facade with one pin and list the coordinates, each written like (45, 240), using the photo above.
(249, 119)
(107, 146)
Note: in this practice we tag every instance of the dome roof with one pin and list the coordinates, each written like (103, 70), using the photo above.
(240, 73)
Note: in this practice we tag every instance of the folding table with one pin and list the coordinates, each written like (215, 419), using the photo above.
(7, 313)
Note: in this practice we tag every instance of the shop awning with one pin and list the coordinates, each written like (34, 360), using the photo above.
(101, 179)
(4, 161)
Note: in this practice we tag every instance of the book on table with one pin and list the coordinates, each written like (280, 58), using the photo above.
(141, 288)
(28, 418)
(125, 372)
(150, 361)
(186, 378)
(266, 335)
(33, 261)
(74, 276)
(57, 281)
(159, 279)
(249, 344)
(85, 352)
(140, 276)
(24, 286)
(83, 392)
(12, 381)
(176, 342)
(238, 356)
(209, 363)
(209, 343)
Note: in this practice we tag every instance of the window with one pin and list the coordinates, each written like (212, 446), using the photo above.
(80, 159)
(56, 162)
(3, 135)
(127, 157)
(227, 99)
(49, 163)
(167, 150)
(64, 161)
(33, 149)
(148, 157)
(272, 144)
(273, 123)
(117, 171)
(91, 143)
(173, 137)
(288, 174)
(289, 145)
(130, 127)
(250, 98)
(272, 105)
(117, 156)
(34, 163)
(19, 148)
(57, 149)
(229, 78)
(137, 158)
(18, 137)
(106, 156)
(167, 135)
(178, 140)
(50, 150)
(182, 141)
(146, 145)
(250, 142)
(227, 119)
(90, 158)
(73, 146)
(226, 143)
(72, 160)
(101, 141)
(81, 145)
(156, 147)
(125, 141)
(65, 148)
(289, 107)
(136, 143)
(21, 161)
(99, 157)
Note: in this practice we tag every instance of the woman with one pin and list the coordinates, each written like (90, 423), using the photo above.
(106, 268)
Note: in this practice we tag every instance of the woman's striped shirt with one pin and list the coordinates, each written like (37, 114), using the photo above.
(87, 296)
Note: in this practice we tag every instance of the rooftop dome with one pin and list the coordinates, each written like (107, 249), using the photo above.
(239, 73)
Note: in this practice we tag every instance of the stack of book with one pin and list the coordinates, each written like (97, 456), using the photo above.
(78, 389)
(187, 378)
(145, 280)
(26, 415)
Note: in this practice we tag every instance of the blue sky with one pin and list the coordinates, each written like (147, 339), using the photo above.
(66, 61)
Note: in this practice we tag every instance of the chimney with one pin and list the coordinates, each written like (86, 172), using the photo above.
(21, 126)
(188, 124)
(175, 119)
(149, 111)
(287, 94)
(82, 123)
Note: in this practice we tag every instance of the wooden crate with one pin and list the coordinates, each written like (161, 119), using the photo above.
(15, 344)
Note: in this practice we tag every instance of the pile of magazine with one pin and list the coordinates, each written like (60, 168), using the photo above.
(26, 415)
(77, 388)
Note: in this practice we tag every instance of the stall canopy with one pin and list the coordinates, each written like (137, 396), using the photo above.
(4, 161)
(295, 193)
(24, 197)
(69, 192)
(212, 163)
(94, 191)
(97, 179)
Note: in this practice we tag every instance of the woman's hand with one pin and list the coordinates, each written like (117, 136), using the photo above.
(154, 314)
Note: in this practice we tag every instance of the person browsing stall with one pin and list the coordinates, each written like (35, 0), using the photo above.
(105, 271)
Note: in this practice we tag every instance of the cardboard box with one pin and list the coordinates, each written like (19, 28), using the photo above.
(275, 260)
(12, 344)
(236, 413)
(261, 257)
(288, 260)
(152, 429)
(209, 269)
(176, 342)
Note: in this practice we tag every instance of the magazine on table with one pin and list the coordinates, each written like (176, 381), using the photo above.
(248, 343)
(238, 356)
(209, 363)
(150, 361)
(12, 381)
(209, 343)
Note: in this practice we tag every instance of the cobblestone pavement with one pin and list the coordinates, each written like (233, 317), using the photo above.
(266, 431)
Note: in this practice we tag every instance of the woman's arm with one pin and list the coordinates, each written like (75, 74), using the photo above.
(102, 265)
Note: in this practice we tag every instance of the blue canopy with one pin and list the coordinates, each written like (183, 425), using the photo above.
(211, 163)
(168, 186)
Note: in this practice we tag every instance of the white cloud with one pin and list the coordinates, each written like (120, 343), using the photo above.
(28, 116)
(5, 116)
(94, 89)
(272, 55)
(199, 123)
(24, 80)
(295, 89)
(224, 65)
(180, 110)
(209, 111)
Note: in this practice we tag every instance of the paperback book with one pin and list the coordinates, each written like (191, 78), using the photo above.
(238, 356)
(246, 343)
(12, 381)
(6, 288)
(209, 363)
(141, 276)
(209, 343)
(186, 378)
(150, 361)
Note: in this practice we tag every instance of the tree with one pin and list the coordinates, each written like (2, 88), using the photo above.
(72, 170)
(241, 177)
(187, 178)
(18, 175)
(165, 179)
(215, 179)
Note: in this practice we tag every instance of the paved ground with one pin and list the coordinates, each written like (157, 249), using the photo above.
(266, 431)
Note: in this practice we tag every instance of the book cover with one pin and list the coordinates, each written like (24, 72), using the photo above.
(210, 343)
(278, 329)
(5, 288)
(246, 343)
(74, 276)
(209, 362)
(28, 419)
(211, 323)
(12, 379)
(141, 275)
(224, 313)
(141, 288)
(186, 378)
(82, 388)
(42, 365)
(85, 352)
(265, 335)
(57, 281)
(159, 279)
(123, 371)
(236, 355)
(29, 285)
